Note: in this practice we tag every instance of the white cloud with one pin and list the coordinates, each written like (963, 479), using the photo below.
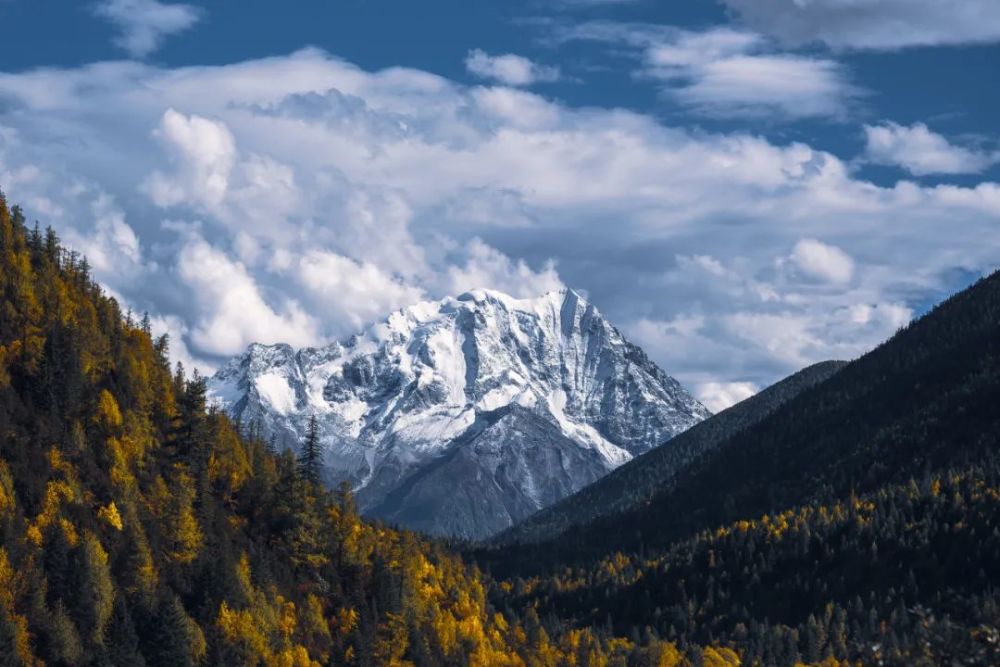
(144, 24)
(794, 86)
(230, 311)
(509, 69)
(717, 396)
(291, 198)
(358, 292)
(921, 152)
(111, 246)
(176, 330)
(874, 24)
(488, 268)
(203, 152)
(822, 261)
(726, 72)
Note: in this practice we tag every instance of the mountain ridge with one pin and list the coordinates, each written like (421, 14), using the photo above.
(394, 401)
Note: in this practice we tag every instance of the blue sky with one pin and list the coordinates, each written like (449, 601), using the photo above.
(743, 186)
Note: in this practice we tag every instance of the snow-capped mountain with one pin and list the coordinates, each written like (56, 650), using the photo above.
(462, 416)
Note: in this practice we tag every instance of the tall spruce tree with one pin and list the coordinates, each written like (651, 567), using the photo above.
(311, 457)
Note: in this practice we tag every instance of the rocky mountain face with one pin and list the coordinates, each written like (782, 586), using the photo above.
(463, 416)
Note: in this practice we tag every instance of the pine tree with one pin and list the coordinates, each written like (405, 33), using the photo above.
(311, 456)
(176, 640)
(184, 535)
(65, 645)
(122, 640)
(94, 590)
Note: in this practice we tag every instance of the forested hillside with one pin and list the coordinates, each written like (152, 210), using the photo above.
(138, 527)
(860, 520)
(643, 477)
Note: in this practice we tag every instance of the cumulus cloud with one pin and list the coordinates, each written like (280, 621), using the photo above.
(486, 267)
(144, 24)
(176, 330)
(920, 151)
(717, 396)
(726, 72)
(111, 245)
(873, 24)
(295, 198)
(509, 69)
(358, 292)
(822, 261)
(230, 310)
(203, 152)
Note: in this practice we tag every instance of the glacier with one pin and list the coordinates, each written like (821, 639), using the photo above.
(462, 416)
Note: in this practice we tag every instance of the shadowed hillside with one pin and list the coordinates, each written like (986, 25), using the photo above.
(640, 479)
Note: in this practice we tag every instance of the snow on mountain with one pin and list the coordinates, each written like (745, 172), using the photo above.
(462, 416)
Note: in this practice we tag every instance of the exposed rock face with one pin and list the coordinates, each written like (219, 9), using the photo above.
(462, 416)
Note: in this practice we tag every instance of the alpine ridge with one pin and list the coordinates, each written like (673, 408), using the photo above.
(462, 416)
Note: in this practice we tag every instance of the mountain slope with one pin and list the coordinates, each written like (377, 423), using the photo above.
(462, 416)
(139, 529)
(643, 477)
(864, 507)
(136, 528)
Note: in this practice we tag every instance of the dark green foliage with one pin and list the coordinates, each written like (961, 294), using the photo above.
(311, 457)
(173, 637)
(122, 641)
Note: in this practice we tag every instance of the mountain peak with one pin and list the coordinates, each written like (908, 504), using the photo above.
(517, 401)
(485, 296)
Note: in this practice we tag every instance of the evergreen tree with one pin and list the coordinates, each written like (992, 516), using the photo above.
(176, 641)
(122, 640)
(94, 591)
(311, 456)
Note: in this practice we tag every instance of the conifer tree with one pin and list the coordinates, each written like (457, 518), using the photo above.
(95, 593)
(184, 536)
(122, 640)
(176, 639)
(311, 456)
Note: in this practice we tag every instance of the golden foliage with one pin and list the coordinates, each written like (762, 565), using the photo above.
(108, 415)
(265, 629)
(8, 501)
(719, 657)
(109, 515)
(57, 492)
(17, 624)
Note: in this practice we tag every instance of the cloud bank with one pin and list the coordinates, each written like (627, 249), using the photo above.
(295, 198)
